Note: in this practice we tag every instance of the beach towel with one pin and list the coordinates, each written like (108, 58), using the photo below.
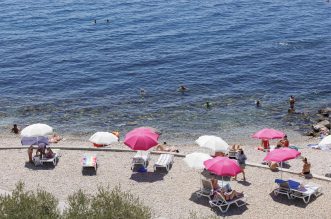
(89, 160)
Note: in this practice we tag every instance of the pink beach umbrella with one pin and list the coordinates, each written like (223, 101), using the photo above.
(281, 155)
(141, 138)
(222, 166)
(268, 134)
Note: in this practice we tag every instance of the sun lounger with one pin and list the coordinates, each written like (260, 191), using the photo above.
(89, 161)
(164, 161)
(283, 188)
(207, 190)
(54, 159)
(140, 158)
(220, 202)
(294, 189)
(306, 191)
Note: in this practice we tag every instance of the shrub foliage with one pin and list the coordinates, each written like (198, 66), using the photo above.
(105, 203)
(28, 204)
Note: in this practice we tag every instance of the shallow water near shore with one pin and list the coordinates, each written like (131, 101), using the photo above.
(61, 68)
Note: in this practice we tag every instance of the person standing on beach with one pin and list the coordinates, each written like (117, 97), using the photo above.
(241, 159)
(291, 101)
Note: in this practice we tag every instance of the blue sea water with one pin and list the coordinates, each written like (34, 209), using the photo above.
(59, 67)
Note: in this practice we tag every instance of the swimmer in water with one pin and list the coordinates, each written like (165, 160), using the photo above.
(142, 92)
(207, 104)
(257, 103)
(182, 88)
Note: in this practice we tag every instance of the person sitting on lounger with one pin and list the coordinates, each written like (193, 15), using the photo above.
(49, 153)
(306, 167)
(55, 138)
(165, 148)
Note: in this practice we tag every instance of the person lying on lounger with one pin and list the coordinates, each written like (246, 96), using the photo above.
(165, 148)
(229, 195)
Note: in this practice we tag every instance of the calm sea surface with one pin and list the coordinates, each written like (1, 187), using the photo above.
(59, 67)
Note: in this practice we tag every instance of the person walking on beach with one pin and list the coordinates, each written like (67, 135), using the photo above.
(241, 159)
(291, 101)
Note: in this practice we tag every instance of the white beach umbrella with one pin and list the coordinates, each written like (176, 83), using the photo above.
(36, 130)
(103, 138)
(215, 143)
(195, 160)
(325, 143)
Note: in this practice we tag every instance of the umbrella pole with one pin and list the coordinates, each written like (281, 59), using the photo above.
(281, 170)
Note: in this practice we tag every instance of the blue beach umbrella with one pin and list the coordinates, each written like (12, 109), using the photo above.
(34, 140)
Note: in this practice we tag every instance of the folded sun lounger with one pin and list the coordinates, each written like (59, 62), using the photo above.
(89, 160)
(140, 158)
(164, 161)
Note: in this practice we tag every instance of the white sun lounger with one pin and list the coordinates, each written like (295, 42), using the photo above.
(164, 161)
(306, 192)
(56, 154)
(224, 205)
(140, 158)
(89, 160)
(207, 190)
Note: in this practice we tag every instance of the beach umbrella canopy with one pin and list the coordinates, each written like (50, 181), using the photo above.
(222, 166)
(215, 143)
(268, 134)
(141, 138)
(325, 143)
(282, 154)
(36, 130)
(195, 160)
(34, 140)
(103, 138)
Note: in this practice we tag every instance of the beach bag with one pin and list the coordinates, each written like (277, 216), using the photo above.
(37, 161)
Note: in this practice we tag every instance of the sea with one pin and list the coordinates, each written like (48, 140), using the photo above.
(80, 66)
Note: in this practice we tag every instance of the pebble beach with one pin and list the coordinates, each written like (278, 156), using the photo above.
(172, 194)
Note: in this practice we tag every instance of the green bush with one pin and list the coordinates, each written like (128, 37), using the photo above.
(41, 204)
(106, 204)
(28, 204)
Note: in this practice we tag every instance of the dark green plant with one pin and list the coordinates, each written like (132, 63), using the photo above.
(28, 204)
(110, 204)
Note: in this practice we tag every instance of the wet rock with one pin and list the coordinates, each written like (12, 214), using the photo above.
(318, 127)
(325, 111)
(325, 123)
(311, 133)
